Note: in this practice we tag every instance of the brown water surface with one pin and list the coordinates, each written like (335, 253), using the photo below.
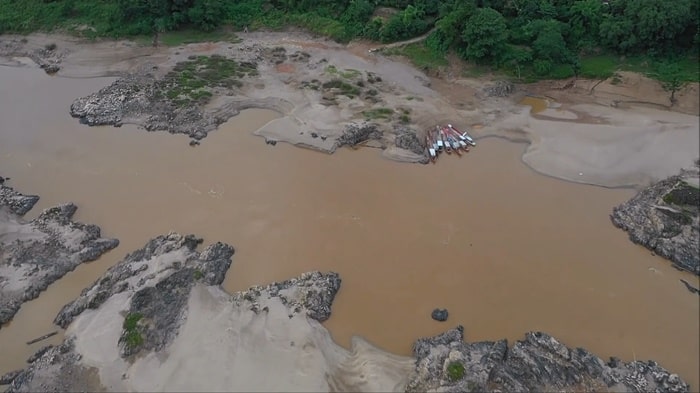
(504, 249)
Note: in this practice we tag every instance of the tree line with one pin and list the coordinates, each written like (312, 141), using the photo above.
(543, 35)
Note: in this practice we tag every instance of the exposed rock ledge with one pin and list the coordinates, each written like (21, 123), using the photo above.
(664, 218)
(158, 321)
(36, 253)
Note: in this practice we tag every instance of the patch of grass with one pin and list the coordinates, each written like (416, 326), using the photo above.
(347, 73)
(598, 67)
(420, 55)
(605, 66)
(344, 88)
(378, 113)
(455, 371)
(132, 337)
(561, 71)
(683, 195)
(191, 80)
(198, 275)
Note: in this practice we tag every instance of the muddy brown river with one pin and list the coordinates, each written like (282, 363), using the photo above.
(506, 250)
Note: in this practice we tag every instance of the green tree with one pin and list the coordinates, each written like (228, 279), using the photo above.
(206, 15)
(672, 78)
(548, 41)
(485, 34)
(584, 19)
(639, 25)
(355, 17)
(449, 28)
(516, 57)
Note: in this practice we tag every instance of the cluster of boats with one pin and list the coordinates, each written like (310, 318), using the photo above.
(447, 139)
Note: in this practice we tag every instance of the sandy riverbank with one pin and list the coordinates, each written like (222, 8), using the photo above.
(585, 140)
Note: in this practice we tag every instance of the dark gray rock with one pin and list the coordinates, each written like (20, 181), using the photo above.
(406, 139)
(358, 133)
(159, 276)
(664, 218)
(7, 378)
(16, 202)
(312, 293)
(439, 314)
(39, 252)
(57, 369)
(499, 89)
(39, 353)
(539, 363)
(143, 99)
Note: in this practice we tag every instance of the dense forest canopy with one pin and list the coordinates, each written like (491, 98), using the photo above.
(544, 35)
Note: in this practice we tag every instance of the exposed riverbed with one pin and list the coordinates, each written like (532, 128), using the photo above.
(504, 249)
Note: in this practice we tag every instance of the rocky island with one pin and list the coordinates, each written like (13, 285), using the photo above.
(664, 218)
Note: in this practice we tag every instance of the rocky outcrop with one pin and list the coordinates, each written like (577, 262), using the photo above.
(664, 218)
(174, 103)
(540, 363)
(159, 278)
(39, 252)
(54, 369)
(157, 281)
(47, 57)
(407, 139)
(16, 202)
(138, 99)
(355, 134)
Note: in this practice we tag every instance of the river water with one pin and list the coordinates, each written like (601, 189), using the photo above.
(506, 250)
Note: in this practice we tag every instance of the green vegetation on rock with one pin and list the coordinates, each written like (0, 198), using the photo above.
(378, 113)
(455, 371)
(683, 195)
(191, 81)
(131, 335)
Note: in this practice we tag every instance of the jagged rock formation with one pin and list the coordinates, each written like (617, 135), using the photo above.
(357, 133)
(34, 254)
(540, 363)
(664, 218)
(16, 202)
(138, 99)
